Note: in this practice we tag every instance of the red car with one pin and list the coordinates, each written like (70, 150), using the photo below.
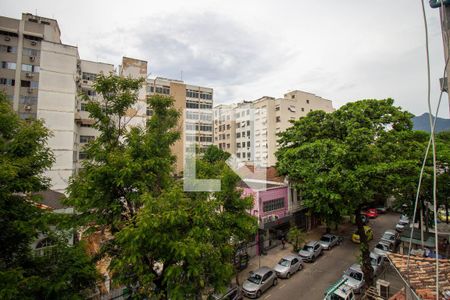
(371, 213)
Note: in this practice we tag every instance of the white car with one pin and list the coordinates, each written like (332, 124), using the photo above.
(383, 248)
(355, 278)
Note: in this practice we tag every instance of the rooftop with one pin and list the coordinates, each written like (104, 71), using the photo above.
(421, 274)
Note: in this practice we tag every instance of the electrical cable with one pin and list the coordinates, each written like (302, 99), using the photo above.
(432, 141)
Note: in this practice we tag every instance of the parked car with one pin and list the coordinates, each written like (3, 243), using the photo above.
(233, 292)
(367, 230)
(371, 213)
(355, 278)
(376, 261)
(259, 281)
(442, 215)
(340, 291)
(381, 210)
(383, 247)
(288, 265)
(328, 241)
(391, 236)
(311, 251)
(402, 223)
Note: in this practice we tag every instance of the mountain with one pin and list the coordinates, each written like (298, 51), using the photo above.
(423, 123)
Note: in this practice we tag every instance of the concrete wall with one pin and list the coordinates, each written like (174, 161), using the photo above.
(57, 106)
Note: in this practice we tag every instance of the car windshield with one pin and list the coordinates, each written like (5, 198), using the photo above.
(336, 297)
(354, 275)
(379, 246)
(284, 262)
(325, 239)
(308, 248)
(388, 236)
(255, 278)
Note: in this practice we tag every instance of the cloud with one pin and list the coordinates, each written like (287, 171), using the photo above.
(209, 48)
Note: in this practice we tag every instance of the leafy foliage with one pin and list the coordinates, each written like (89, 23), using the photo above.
(164, 243)
(24, 156)
(296, 237)
(346, 160)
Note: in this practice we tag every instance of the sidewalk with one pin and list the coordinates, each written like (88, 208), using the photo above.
(275, 254)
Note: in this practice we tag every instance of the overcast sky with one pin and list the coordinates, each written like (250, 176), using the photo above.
(342, 50)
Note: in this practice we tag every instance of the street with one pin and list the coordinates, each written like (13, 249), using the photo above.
(315, 278)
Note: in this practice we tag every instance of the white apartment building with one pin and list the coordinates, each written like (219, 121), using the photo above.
(253, 125)
(43, 79)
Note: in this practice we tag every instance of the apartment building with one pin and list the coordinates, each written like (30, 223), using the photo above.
(257, 123)
(196, 106)
(43, 79)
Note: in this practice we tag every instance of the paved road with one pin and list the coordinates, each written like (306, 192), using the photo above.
(312, 281)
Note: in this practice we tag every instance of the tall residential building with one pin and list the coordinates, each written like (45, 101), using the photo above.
(250, 131)
(43, 79)
(196, 122)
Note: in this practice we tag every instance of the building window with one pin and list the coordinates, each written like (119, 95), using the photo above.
(86, 125)
(243, 155)
(277, 108)
(293, 97)
(86, 138)
(243, 133)
(28, 100)
(44, 247)
(8, 49)
(83, 106)
(149, 112)
(192, 94)
(27, 116)
(303, 109)
(82, 155)
(30, 52)
(272, 205)
(8, 65)
(89, 92)
(29, 84)
(205, 105)
(191, 104)
(248, 154)
(278, 119)
(307, 101)
(7, 81)
(238, 135)
(228, 146)
(238, 155)
(248, 133)
(89, 76)
(292, 108)
(30, 68)
(248, 144)
(228, 126)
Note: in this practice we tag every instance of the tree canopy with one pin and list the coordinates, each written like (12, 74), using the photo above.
(345, 160)
(162, 241)
(64, 272)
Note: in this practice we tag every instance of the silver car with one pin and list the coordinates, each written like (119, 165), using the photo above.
(376, 260)
(355, 278)
(391, 237)
(259, 281)
(288, 265)
(382, 248)
(328, 241)
(311, 251)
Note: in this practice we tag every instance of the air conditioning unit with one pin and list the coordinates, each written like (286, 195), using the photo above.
(383, 288)
(32, 58)
(33, 43)
(29, 75)
(27, 107)
(7, 38)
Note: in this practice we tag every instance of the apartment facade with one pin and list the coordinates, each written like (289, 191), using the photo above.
(257, 123)
(43, 78)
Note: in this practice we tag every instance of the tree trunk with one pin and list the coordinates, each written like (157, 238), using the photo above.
(366, 266)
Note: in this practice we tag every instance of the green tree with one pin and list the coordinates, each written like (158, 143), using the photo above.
(296, 237)
(24, 274)
(341, 161)
(164, 242)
